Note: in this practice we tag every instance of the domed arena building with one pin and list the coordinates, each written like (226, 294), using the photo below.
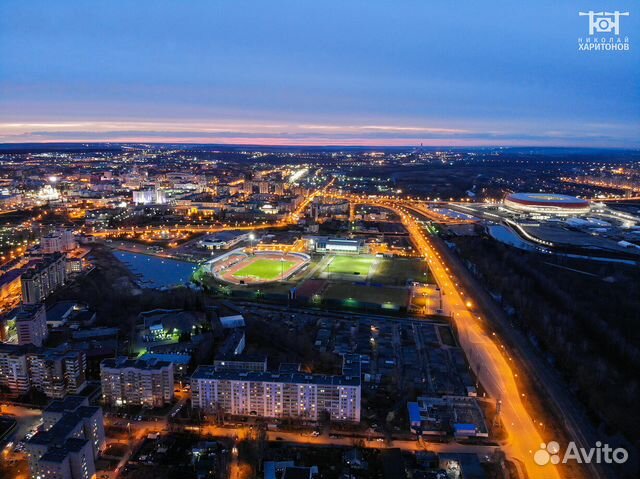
(546, 203)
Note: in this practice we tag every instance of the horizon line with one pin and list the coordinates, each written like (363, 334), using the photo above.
(312, 145)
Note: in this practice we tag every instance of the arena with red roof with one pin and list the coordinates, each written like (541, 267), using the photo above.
(549, 203)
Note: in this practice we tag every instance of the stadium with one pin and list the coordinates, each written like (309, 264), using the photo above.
(320, 270)
(546, 203)
(239, 267)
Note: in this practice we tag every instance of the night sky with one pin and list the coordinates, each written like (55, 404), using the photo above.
(326, 72)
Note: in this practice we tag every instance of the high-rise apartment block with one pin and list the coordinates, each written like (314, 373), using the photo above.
(280, 395)
(14, 369)
(54, 371)
(59, 242)
(31, 324)
(136, 381)
(71, 438)
(43, 278)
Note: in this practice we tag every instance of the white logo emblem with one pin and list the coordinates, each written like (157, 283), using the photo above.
(604, 22)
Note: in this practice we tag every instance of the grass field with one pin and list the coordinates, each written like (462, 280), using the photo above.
(396, 271)
(350, 265)
(264, 269)
(356, 293)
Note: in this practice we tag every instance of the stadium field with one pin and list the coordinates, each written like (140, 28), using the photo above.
(264, 269)
(397, 271)
(359, 265)
(355, 294)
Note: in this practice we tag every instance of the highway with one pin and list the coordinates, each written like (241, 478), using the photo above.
(485, 349)
(549, 382)
(486, 359)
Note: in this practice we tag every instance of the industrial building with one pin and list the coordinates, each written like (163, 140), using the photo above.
(223, 240)
(231, 356)
(321, 244)
(460, 416)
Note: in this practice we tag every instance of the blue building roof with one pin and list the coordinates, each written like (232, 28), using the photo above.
(168, 357)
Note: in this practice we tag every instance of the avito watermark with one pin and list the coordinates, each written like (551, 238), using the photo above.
(600, 454)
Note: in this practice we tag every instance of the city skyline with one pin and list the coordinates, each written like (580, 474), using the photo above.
(290, 74)
(303, 299)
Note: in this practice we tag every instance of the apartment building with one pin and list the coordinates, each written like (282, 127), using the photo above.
(61, 241)
(71, 438)
(279, 395)
(147, 382)
(14, 369)
(58, 371)
(54, 371)
(31, 324)
(44, 277)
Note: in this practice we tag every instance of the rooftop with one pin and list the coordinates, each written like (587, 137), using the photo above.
(64, 427)
(123, 363)
(550, 199)
(26, 312)
(60, 310)
(95, 333)
(69, 403)
(59, 453)
(209, 372)
(168, 357)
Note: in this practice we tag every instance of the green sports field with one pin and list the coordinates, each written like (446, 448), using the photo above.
(351, 265)
(264, 269)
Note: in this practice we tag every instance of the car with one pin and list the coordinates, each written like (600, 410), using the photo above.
(315, 433)
(379, 439)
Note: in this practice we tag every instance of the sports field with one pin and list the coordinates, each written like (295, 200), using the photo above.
(264, 269)
(355, 294)
(359, 265)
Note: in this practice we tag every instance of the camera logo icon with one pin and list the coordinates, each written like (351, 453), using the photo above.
(604, 22)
